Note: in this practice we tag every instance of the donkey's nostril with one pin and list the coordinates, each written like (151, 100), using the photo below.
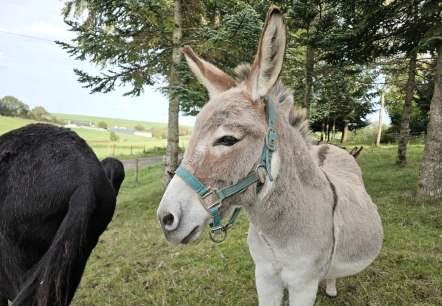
(168, 220)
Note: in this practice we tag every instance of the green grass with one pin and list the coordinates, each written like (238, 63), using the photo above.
(11, 123)
(134, 265)
(128, 146)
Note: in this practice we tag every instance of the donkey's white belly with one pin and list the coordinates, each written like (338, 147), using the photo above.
(358, 233)
(340, 269)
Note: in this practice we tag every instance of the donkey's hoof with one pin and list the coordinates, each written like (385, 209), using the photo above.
(330, 287)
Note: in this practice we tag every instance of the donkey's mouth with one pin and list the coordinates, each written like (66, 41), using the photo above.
(189, 237)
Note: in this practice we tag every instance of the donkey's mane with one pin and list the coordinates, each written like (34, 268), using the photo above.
(297, 117)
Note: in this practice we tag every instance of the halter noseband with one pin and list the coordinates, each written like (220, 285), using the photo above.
(218, 232)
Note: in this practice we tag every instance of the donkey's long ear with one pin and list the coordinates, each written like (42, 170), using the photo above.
(215, 80)
(270, 56)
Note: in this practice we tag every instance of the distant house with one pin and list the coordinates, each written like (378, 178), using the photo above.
(122, 130)
(72, 122)
(143, 133)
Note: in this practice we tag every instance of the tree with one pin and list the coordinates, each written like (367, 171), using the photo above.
(138, 44)
(430, 173)
(313, 27)
(413, 34)
(102, 125)
(38, 112)
(113, 136)
(305, 17)
(228, 38)
(139, 127)
(172, 161)
(404, 132)
(343, 100)
(133, 40)
(158, 132)
(423, 91)
(378, 28)
(11, 106)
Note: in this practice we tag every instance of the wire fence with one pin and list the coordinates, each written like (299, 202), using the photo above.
(369, 137)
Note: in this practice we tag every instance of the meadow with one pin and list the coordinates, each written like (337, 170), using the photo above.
(111, 122)
(127, 146)
(134, 265)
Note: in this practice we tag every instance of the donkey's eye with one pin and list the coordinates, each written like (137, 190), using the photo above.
(226, 141)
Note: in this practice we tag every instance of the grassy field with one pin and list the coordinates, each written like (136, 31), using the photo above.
(127, 146)
(134, 265)
(11, 123)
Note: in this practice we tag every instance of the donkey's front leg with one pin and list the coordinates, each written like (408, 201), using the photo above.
(269, 285)
(303, 294)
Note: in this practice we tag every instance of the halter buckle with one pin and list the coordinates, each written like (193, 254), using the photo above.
(271, 139)
(213, 191)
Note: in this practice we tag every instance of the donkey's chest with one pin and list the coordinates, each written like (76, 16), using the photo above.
(277, 259)
(287, 264)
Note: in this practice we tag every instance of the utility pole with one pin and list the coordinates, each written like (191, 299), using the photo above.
(378, 140)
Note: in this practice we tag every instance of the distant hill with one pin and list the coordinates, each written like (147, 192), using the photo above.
(11, 123)
(110, 121)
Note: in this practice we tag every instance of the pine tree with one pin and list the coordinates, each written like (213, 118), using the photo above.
(136, 43)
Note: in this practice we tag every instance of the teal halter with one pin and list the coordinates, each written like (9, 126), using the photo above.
(218, 232)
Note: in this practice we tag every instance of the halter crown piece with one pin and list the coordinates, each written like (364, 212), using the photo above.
(218, 232)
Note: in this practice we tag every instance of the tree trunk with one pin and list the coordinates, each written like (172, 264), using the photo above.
(308, 75)
(327, 130)
(430, 173)
(401, 159)
(344, 137)
(378, 139)
(171, 161)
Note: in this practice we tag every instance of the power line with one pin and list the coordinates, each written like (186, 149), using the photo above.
(27, 36)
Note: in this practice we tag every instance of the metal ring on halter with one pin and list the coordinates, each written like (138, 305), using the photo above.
(213, 236)
(265, 171)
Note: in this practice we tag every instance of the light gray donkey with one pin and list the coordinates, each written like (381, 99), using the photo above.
(310, 216)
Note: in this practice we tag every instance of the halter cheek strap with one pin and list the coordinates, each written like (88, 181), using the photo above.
(218, 232)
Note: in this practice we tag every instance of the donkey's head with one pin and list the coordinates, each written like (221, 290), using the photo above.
(231, 140)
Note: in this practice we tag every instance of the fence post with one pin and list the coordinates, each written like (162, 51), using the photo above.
(136, 170)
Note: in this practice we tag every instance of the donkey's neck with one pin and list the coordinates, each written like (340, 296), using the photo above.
(298, 198)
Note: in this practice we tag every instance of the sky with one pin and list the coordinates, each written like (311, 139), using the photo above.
(39, 73)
